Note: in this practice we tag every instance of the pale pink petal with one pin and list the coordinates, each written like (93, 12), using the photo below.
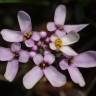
(36, 36)
(38, 58)
(53, 38)
(70, 38)
(11, 36)
(63, 65)
(32, 54)
(76, 76)
(23, 56)
(86, 59)
(56, 78)
(32, 77)
(24, 21)
(52, 46)
(51, 26)
(49, 58)
(68, 51)
(15, 47)
(60, 15)
(74, 28)
(29, 43)
(11, 70)
(5, 54)
(60, 34)
(43, 34)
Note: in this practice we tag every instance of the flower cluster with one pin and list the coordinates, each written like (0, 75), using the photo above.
(45, 46)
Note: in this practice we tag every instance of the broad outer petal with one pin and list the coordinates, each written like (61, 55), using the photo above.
(86, 59)
(11, 36)
(63, 65)
(74, 28)
(60, 14)
(5, 54)
(15, 47)
(11, 70)
(38, 58)
(51, 26)
(24, 21)
(23, 56)
(32, 77)
(56, 78)
(70, 38)
(49, 58)
(68, 51)
(76, 76)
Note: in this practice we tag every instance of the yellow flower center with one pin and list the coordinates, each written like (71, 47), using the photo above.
(27, 35)
(58, 43)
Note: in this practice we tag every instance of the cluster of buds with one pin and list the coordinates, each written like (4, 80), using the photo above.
(47, 48)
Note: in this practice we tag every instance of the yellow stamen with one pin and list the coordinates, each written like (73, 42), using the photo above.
(58, 43)
(27, 35)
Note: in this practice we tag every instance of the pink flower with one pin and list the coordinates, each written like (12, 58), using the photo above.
(62, 42)
(44, 67)
(13, 55)
(25, 34)
(59, 20)
(83, 60)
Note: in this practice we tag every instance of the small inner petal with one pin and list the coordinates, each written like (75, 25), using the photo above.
(27, 35)
(58, 43)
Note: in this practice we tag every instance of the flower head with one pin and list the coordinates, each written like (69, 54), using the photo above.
(59, 20)
(84, 60)
(62, 41)
(13, 55)
(44, 66)
(25, 34)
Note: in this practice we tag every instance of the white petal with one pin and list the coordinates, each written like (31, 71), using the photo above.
(51, 26)
(68, 51)
(24, 21)
(70, 38)
(54, 77)
(49, 58)
(74, 28)
(53, 38)
(11, 70)
(60, 34)
(76, 76)
(11, 36)
(60, 14)
(32, 77)
(23, 56)
(5, 54)
(52, 46)
(38, 58)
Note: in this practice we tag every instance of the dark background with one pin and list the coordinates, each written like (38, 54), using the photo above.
(42, 11)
